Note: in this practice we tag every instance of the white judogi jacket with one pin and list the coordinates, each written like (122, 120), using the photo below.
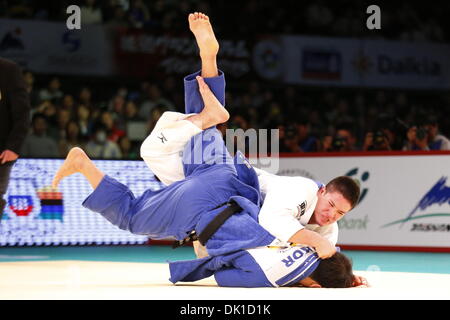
(289, 203)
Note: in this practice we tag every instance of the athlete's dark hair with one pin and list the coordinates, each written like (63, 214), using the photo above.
(334, 272)
(346, 186)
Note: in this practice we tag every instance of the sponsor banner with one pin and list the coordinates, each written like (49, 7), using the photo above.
(405, 200)
(143, 54)
(49, 47)
(367, 63)
(35, 214)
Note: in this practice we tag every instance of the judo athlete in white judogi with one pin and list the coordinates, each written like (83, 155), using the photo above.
(281, 212)
(218, 202)
(192, 204)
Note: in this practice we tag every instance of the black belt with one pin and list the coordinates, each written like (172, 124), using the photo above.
(211, 228)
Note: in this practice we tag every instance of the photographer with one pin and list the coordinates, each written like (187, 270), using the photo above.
(425, 136)
(344, 139)
(290, 141)
(386, 135)
(376, 141)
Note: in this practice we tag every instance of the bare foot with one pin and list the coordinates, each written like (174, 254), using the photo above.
(73, 164)
(204, 34)
(213, 111)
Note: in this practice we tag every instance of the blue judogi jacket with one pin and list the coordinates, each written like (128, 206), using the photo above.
(250, 268)
(186, 205)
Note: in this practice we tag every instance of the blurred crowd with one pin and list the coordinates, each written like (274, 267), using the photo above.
(109, 118)
(111, 124)
(401, 20)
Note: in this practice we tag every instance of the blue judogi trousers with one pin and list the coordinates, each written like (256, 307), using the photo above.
(187, 205)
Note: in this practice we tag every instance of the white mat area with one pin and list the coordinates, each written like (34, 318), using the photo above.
(118, 280)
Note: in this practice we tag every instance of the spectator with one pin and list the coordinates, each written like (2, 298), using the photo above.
(38, 144)
(155, 114)
(117, 107)
(59, 132)
(326, 143)
(344, 140)
(129, 152)
(306, 141)
(32, 93)
(154, 98)
(384, 136)
(290, 141)
(84, 122)
(72, 139)
(52, 92)
(131, 112)
(68, 103)
(48, 109)
(85, 97)
(426, 136)
(112, 130)
(100, 147)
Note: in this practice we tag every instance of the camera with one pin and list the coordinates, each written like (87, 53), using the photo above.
(421, 133)
(339, 143)
(379, 139)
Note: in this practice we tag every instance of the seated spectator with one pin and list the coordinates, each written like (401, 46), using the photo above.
(112, 130)
(426, 136)
(99, 147)
(387, 134)
(153, 98)
(58, 132)
(290, 141)
(85, 97)
(117, 107)
(344, 139)
(37, 144)
(72, 139)
(326, 143)
(68, 103)
(32, 92)
(131, 112)
(52, 92)
(84, 121)
(129, 151)
(306, 141)
(48, 109)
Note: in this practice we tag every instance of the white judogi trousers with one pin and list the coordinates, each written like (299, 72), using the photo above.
(162, 152)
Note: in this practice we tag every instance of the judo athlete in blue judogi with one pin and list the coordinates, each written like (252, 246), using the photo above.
(270, 265)
(190, 205)
(217, 202)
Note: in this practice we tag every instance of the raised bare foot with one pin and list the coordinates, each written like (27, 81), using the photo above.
(204, 34)
(73, 164)
(213, 111)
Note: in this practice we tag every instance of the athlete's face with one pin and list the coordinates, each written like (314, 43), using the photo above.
(331, 206)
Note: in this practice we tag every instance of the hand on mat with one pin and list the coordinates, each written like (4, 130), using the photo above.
(7, 156)
(360, 282)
